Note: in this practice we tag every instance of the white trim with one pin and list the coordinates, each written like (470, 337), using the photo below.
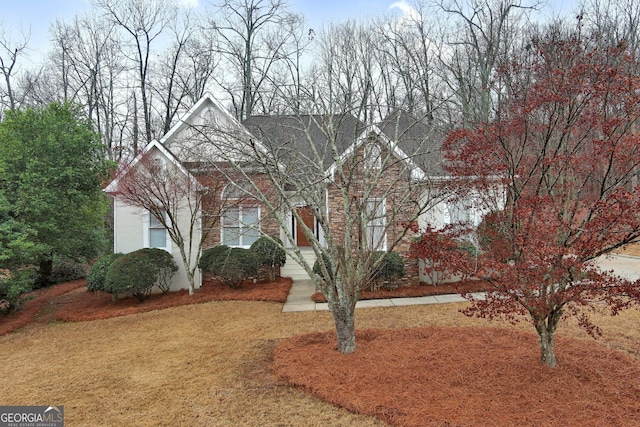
(416, 172)
(112, 188)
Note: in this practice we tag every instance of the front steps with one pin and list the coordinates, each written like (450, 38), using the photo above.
(294, 270)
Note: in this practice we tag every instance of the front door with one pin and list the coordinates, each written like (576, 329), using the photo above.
(306, 215)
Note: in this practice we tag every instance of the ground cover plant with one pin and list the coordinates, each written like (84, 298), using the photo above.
(206, 377)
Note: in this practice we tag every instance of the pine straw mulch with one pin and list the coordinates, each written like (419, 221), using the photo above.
(90, 306)
(71, 302)
(422, 290)
(199, 365)
(444, 376)
(38, 308)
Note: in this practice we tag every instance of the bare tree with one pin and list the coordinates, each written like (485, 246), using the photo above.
(174, 197)
(613, 21)
(253, 35)
(482, 34)
(410, 46)
(10, 52)
(90, 70)
(143, 22)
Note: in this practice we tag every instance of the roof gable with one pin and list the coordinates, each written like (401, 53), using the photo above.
(112, 187)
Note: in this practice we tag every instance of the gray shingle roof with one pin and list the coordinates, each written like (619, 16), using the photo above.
(307, 138)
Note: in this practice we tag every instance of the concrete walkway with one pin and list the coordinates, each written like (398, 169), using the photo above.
(299, 298)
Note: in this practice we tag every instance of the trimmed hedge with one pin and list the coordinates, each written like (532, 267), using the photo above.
(389, 268)
(270, 253)
(137, 272)
(231, 265)
(98, 272)
(165, 266)
(329, 266)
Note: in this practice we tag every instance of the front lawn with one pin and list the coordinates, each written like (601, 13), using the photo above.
(215, 364)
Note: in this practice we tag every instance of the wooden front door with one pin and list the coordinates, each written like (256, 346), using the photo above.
(306, 215)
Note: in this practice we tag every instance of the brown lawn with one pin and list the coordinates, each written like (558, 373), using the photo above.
(212, 364)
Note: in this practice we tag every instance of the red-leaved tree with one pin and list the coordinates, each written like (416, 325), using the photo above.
(564, 145)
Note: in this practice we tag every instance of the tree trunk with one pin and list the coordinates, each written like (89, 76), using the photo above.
(546, 335)
(344, 320)
(44, 272)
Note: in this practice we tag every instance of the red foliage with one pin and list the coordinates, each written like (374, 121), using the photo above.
(565, 146)
(445, 252)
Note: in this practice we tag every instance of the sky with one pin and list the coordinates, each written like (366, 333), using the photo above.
(35, 16)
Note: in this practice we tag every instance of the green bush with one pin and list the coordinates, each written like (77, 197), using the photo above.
(165, 266)
(131, 274)
(208, 255)
(98, 272)
(329, 266)
(270, 253)
(67, 270)
(231, 265)
(13, 286)
(389, 268)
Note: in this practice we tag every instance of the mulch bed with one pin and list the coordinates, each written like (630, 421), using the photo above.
(33, 310)
(421, 290)
(445, 376)
(71, 302)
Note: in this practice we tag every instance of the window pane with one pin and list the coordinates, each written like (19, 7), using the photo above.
(157, 237)
(250, 236)
(153, 221)
(230, 218)
(249, 216)
(231, 236)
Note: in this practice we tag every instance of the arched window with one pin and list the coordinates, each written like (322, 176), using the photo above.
(158, 168)
(210, 118)
(372, 156)
(237, 191)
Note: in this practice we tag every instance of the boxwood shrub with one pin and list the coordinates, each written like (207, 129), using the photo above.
(329, 266)
(98, 272)
(165, 266)
(232, 266)
(270, 253)
(389, 269)
(137, 272)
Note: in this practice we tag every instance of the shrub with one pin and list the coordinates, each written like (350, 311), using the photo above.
(98, 272)
(132, 274)
(270, 254)
(389, 267)
(165, 266)
(329, 266)
(208, 255)
(231, 265)
(68, 270)
(13, 286)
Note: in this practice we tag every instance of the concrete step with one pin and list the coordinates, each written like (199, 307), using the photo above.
(294, 270)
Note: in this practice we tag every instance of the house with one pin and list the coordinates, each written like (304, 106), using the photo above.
(392, 170)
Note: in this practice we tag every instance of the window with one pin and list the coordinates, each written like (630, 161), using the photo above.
(372, 156)
(240, 226)
(157, 234)
(237, 191)
(158, 168)
(376, 223)
(461, 211)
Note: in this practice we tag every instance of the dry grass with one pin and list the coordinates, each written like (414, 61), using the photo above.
(632, 249)
(209, 364)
